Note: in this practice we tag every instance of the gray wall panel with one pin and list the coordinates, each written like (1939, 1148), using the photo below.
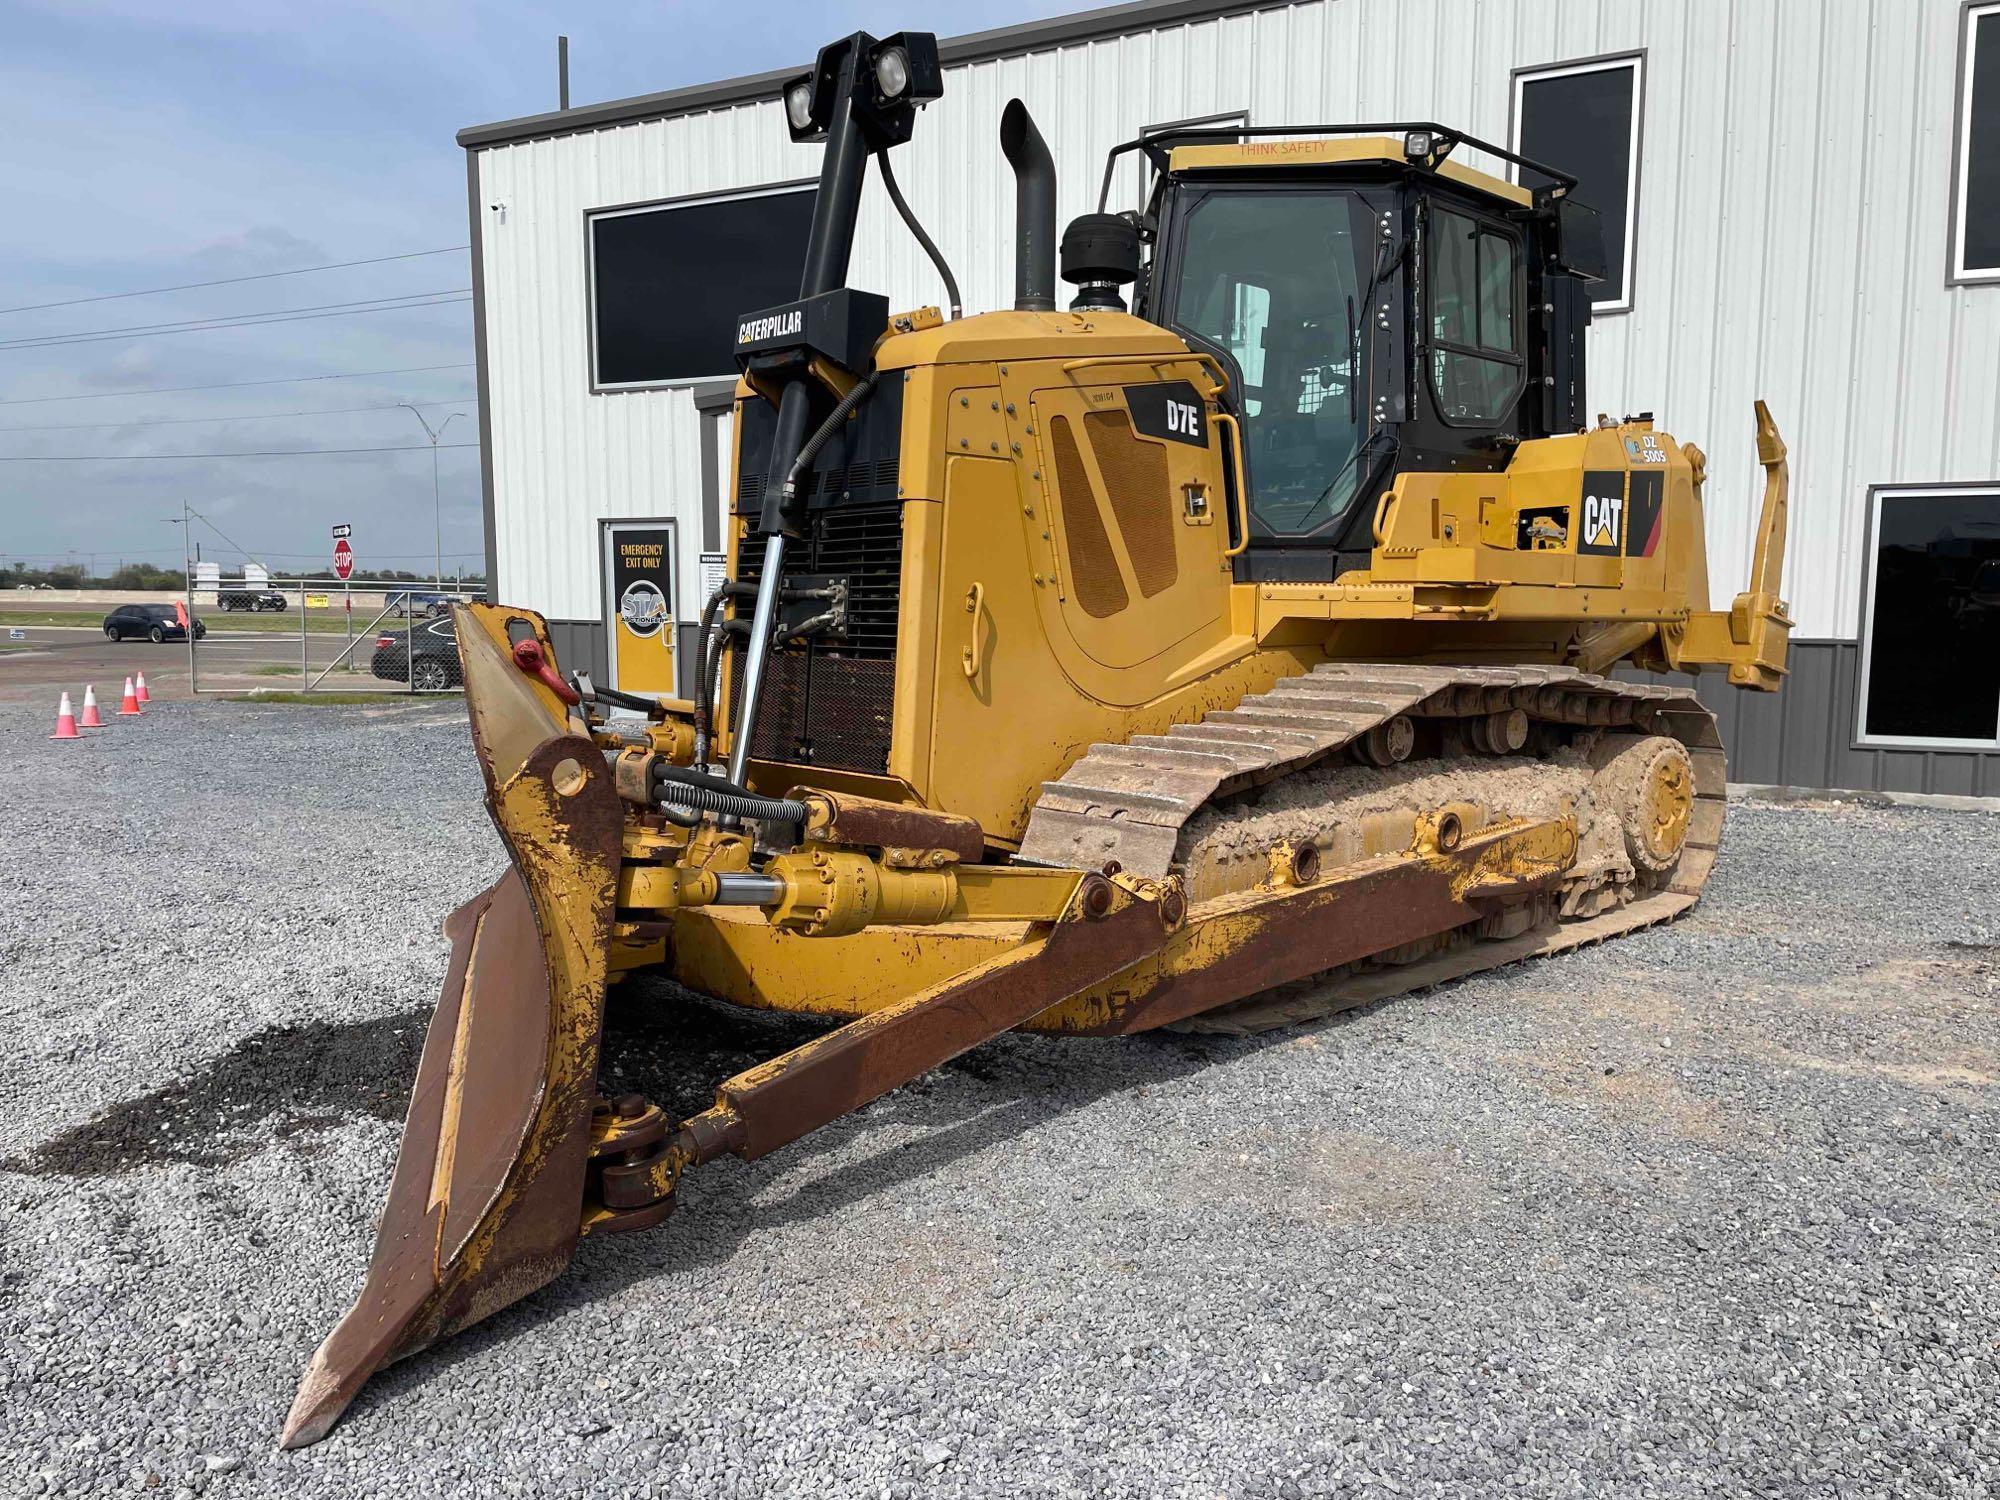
(583, 641)
(1803, 735)
(580, 643)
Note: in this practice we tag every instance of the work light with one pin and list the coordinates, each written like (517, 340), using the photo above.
(892, 72)
(799, 104)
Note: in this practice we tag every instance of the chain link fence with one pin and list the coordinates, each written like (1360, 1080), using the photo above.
(321, 635)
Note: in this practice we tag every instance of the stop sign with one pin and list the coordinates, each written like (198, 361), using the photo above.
(343, 558)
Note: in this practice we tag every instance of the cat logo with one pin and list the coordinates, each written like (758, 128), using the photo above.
(1601, 517)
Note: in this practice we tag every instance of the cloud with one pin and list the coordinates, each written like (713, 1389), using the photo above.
(258, 249)
(136, 365)
(163, 143)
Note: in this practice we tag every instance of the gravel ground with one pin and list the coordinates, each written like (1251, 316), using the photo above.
(1710, 1211)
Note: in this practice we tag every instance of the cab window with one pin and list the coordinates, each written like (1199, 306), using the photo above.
(1277, 278)
(1476, 361)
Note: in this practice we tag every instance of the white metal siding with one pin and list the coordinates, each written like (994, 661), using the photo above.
(1793, 213)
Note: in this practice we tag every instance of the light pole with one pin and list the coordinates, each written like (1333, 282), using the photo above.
(437, 505)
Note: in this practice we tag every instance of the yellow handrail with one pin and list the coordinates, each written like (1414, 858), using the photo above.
(1242, 487)
(1098, 361)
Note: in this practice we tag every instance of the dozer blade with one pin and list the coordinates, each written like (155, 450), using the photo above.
(486, 1200)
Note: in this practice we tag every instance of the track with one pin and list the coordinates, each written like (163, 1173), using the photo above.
(1133, 802)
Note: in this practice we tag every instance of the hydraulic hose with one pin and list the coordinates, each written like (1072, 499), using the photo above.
(842, 410)
(648, 706)
(704, 687)
(917, 231)
(672, 795)
(705, 793)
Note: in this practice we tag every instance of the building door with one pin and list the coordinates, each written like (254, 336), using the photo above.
(639, 605)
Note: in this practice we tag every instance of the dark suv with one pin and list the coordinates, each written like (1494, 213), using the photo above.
(253, 600)
(156, 622)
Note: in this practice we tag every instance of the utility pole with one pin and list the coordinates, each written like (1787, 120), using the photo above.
(187, 583)
(437, 505)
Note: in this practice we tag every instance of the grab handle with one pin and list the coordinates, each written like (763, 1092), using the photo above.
(971, 658)
(1241, 487)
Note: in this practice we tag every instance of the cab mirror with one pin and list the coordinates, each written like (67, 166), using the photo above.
(1580, 240)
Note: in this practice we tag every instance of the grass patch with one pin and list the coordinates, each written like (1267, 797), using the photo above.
(280, 695)
(273, 669)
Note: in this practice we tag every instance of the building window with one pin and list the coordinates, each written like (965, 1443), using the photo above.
(1975, 237)
(1930, 634)
(668, 280)
(1583, 117)
(1476, 363)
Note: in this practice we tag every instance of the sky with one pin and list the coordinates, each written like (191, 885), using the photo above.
(153, 145)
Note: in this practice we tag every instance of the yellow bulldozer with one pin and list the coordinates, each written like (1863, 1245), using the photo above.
(1229, 648)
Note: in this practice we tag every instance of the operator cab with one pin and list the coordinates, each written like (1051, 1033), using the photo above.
(1378, 307)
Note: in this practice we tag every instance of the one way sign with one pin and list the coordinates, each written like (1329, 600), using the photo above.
(342, 530)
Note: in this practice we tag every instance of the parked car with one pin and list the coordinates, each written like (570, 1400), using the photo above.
(156, 622)
(1980, 597)
(253, 600)
(411, 602)
(425, 656)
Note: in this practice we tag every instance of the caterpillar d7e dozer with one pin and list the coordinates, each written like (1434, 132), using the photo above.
(1216, 663)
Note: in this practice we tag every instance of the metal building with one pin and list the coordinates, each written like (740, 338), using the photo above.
(1801, 199)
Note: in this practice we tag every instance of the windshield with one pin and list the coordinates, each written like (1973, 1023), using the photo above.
(1276, 278)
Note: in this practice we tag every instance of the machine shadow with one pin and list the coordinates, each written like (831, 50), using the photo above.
(675, 1046)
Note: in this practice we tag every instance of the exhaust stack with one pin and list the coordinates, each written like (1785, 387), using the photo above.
(1034, 210)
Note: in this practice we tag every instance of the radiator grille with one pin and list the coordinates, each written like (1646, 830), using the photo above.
(1135, 474)
(1093, 569)
(831, 702)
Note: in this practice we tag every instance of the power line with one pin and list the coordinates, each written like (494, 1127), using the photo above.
(247, 320)
(217, 530)
(253, 416)
(231, 385)
(175, 553)
(35, 338)
(338, 265)
(108, 458)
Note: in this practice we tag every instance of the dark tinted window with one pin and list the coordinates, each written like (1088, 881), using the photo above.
(1585, 120)
(668, 282)
(1978, 187)
(1934, 617)
(159, 612)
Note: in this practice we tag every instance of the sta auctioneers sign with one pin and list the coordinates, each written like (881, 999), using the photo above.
(639, 605)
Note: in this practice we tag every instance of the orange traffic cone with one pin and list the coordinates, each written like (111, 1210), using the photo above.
(130, 707)
(144, 696)
(90, 720)
(65, 722)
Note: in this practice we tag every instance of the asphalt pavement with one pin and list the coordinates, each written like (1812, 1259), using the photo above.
(232, 658)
